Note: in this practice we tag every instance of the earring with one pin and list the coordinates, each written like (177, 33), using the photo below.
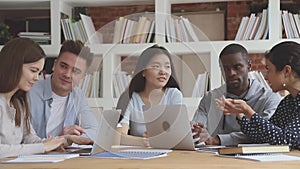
(283, 84)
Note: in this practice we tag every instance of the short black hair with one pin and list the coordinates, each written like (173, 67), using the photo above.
(235, 48)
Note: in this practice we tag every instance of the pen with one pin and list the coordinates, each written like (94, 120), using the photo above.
(223, 125)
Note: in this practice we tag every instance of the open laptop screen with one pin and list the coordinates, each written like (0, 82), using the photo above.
(168, 127)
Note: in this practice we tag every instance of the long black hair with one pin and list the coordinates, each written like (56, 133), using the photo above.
(285, 53)
(137, 84)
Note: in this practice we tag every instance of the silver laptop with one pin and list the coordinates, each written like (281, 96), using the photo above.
(168, 127)
(106, 133)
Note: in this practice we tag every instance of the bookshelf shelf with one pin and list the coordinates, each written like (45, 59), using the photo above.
(92, 3)
(205, 51)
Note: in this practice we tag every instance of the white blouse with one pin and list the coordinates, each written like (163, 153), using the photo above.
(14, 140)
(134, 113)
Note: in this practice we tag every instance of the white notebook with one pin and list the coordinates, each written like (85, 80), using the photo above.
(41, 158)
(133, 154)
(265, 157)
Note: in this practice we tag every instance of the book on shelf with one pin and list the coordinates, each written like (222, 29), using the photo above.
(297, 22)
(293, 26)
(254, 149)
(118, 30)
(123, 30)
(128, 30)
(39, 37)
(178, 30)
(95, 91)
(145, 31)
(89, 27)
(184, 33)
(241, 28)
(249, 27)
(170, 29)
(41, 158)
(140, 28)
(65, 29)
(255, 26)
(286, 24)
(151, 34)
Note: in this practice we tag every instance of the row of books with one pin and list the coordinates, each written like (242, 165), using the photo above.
(180, 29)
(122, 79)
(43, 38)
(291, 24)
(73, 30)
(121, 82)
(258, 76)
(90, 85)
(253, 27)
(83, 30)
(201, 85)
(131, 31)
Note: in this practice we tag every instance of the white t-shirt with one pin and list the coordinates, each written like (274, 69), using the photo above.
(55, 123)
(134, 112)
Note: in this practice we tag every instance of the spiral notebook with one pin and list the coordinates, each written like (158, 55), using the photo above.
(41, 158)
(133, 154)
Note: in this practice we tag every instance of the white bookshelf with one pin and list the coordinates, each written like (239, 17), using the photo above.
(111, 53)
(52, 5)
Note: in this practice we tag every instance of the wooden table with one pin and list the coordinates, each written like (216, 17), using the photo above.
(174, 160)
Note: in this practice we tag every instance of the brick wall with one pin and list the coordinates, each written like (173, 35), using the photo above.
(234, 12)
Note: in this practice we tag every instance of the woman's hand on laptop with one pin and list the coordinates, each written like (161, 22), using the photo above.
(78, 140)
(73, 130)
(146, 140)
(200, 134)
(53, 143)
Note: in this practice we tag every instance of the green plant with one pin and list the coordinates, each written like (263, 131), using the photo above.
(4, 33)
